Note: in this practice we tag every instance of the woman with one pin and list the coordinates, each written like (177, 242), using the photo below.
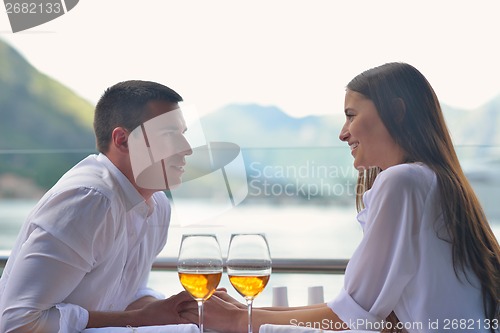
(428, 260)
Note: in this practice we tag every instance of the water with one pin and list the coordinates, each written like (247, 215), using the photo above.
(293, 231)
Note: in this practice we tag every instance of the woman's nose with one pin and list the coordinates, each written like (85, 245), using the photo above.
(344, 134)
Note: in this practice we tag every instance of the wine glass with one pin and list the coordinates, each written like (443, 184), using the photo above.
(248, 267)
(200, 268)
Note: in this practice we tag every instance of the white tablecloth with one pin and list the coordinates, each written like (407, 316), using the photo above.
(184, 328)
(268, 328)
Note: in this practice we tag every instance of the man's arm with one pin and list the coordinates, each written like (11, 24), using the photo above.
(44, 273)
(43, 276)
(140, 303)
(146, 311)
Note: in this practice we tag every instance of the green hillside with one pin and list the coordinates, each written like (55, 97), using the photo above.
(44, 127)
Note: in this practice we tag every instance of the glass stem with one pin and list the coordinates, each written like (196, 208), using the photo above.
(200, 316)
(249, 306)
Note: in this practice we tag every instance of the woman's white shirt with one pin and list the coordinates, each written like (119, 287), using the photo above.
(404, 261)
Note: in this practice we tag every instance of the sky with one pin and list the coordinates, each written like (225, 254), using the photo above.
(297, 55)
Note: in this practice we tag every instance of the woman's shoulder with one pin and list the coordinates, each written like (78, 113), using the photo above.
(414, 175)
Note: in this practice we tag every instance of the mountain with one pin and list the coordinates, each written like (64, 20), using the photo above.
(252, 125)
(286, 158)
(45, 129)
(269, 135)
(302, 159)
(475, 132)
(39, 119)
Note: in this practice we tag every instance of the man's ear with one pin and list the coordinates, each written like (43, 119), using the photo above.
(399, 108)
(119, 139)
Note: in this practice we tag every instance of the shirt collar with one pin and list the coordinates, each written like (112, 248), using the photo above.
(129, 193)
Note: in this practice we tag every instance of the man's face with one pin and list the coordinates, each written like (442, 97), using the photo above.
(159, 147)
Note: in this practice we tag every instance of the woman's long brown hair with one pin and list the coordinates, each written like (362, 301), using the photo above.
(410, 110)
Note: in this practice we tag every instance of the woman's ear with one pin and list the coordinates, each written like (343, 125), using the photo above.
(119, 139)
(399, 108)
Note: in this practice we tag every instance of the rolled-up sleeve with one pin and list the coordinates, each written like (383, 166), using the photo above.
(45, 272)
(60, 249)
(73, 318)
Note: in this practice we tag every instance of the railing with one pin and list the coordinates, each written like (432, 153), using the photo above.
(280, 265)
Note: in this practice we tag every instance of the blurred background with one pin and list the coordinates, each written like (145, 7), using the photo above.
(268, 76)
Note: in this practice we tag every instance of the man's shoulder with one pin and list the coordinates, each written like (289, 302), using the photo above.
(87, 174)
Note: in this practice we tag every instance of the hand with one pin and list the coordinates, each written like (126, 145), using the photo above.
(167, 311)
(218, 309)
(222, 294)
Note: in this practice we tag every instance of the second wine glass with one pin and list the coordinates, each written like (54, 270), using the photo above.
(200, 268)
(248, 267)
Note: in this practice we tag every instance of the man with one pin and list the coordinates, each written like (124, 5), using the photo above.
(83, 256)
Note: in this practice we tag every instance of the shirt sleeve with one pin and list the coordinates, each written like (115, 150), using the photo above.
(65, 239)
(82, 219)
(387, 256)
(42, 276)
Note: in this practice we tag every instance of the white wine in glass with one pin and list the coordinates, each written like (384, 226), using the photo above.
(248, 267)
(200, 268)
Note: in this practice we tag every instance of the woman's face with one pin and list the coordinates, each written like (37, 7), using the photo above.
(370, 142)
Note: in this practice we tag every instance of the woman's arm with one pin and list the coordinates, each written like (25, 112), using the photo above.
(222, 294)
(221, 306)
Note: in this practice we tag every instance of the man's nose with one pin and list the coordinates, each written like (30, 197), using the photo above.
(187, 147)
